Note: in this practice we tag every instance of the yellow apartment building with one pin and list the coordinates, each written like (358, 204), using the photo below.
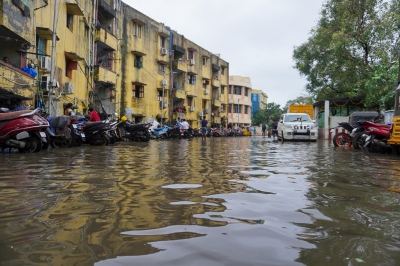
(163, 71)
(108, 55)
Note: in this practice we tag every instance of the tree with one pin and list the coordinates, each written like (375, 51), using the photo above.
(274, 111)
(351, 44)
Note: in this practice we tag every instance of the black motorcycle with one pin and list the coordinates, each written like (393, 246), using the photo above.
(135, 132)
(96, 133)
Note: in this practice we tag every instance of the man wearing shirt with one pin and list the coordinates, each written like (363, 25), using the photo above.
(184, 124)
(94, 116)
(204, 123)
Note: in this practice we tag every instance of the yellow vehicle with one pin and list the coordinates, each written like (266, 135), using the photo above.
(394, 140)
(302, 108)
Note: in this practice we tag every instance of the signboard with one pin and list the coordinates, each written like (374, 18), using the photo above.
(128, 111)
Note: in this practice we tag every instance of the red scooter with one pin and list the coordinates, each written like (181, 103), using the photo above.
(376, 137)
(23, 130)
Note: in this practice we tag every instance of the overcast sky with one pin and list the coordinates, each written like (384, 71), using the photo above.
(256, 37)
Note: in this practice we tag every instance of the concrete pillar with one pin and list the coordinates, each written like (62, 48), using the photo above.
(326, 120)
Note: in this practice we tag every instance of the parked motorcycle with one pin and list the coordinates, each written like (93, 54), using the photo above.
(376, 137)
(342, 138)
(23, 130)
(96, 133)
(131, 131)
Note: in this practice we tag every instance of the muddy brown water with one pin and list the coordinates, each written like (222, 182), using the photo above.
(222, 201)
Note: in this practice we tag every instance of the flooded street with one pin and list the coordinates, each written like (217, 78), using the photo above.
(222, 201)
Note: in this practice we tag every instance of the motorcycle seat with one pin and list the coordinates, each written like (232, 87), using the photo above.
(13, 115)
(93, 124)
(158, 129)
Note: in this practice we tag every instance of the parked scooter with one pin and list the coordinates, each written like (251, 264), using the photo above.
(61, 131)
(131, 131)
(376, 137)
(159, 133)
(22, 130)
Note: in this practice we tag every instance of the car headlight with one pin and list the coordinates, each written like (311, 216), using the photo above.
(313, 126)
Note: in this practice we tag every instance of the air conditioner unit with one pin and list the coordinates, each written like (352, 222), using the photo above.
(164, 82)
(163, 51)
(206, 91)
(68, 88)
(45, 63)
(204, 81)
(200, 113)
(191, 62)
(191, 108)
(206, 111)
(44, 83)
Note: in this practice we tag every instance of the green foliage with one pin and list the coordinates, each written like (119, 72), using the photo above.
(350, 51)
(266, 116)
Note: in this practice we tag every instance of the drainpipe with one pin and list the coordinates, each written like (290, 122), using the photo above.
(53, 54)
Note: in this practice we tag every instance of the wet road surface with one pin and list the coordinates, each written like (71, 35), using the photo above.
(222, 201)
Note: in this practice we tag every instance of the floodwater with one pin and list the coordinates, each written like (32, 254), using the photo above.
(222, 201)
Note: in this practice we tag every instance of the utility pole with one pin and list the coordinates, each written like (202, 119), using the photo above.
(53, 54)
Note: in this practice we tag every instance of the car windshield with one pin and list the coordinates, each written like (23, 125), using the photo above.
(297, 118)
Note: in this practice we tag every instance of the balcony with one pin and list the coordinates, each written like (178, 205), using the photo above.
(104, 76)
(106, 38)
(216, 103)
(178, 51)
(179, 65)
(106, 10)
(215, 67)
(216, 120)
(179, 116)
(180, 94)
(216, 83)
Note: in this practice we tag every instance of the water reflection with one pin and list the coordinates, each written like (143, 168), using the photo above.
(219, 201)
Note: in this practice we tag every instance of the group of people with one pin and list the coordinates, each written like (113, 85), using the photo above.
(271, 130)
(93, 116)
(180, 109)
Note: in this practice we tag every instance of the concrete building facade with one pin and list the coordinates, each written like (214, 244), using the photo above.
(258, 101)
(239, 109)
(108, 55)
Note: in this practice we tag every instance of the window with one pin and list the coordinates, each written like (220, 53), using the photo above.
(190, 54)
(137, 30)
(160, 95)
(205, 83)
(246, 110)
(138, 91)
(204, 61)
(190, 101)
(192, 79)
(69, 66)
(237, 90)
(230, 90)
(161, 67)
(41, 47)
(230, 108)
(70, 20)
(246, 92)
(138, 61)
(222, 90)
(223, 71)
(237, 109)
(162, 42)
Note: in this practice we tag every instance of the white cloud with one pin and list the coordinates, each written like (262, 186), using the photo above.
(256, 37)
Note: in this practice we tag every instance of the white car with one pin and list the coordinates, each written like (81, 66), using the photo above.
(297, 126)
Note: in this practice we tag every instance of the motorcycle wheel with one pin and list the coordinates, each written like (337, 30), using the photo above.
(46, 145)
(70, 142)
(145, 136)
(341, 139)
(33, 144)
(112, 138)
(358, 141)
